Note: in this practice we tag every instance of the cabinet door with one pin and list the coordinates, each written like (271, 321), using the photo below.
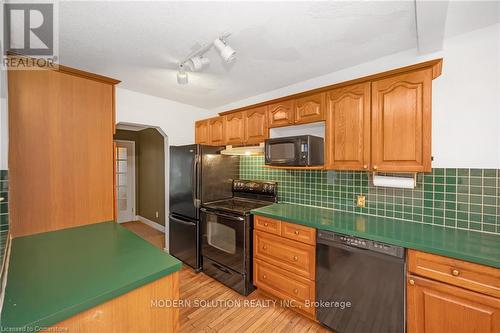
(256, 125)
(281, 114)
(401, 122)
(235, 128)
(348, 128)
(216, 131)
(438, 307)
(201, 132)
(310, 108)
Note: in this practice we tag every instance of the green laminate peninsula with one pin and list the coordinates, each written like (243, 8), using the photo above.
(55, 275)
(481, 248)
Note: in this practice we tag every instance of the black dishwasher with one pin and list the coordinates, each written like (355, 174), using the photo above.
(360, 284)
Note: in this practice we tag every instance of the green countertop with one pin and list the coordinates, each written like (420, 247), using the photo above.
(55, 275)
(466, 245)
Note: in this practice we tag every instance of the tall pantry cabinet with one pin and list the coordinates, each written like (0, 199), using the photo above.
(61, 152)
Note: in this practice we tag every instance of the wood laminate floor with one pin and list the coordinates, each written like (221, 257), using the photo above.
(218, 315)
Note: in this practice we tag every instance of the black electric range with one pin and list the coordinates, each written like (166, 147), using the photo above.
(226, 236)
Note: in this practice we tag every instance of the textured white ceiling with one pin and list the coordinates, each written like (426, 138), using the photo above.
(277, 43)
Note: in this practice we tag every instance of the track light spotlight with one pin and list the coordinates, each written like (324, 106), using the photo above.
(226, 52)
(198, 62)
(182, 76)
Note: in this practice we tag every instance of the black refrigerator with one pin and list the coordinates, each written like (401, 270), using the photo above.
(198, 174)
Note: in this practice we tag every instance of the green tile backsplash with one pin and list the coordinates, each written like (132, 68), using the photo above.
(456, 198)
(4, 214)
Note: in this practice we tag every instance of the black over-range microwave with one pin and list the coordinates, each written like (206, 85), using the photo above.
(303, 150)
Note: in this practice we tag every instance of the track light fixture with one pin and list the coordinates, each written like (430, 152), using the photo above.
(196, 61)
(182, 75)
(226, 52)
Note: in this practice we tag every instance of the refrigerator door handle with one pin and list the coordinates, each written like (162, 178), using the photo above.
(196, 200)
(182, 222)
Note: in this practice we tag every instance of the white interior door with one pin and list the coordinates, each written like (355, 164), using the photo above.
(125, 180)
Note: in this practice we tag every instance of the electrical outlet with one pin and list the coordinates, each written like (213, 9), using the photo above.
(157, 215)
(361, 201)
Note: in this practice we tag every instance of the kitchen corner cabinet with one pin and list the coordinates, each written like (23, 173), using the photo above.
(401, 122)
(347, 139)
(235, 128)
(448, 295)
(201, 132)
(310, 108)
(281, 114)
(216, 131)
(256, 129)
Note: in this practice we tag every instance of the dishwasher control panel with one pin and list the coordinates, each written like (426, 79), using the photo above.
(367, 244)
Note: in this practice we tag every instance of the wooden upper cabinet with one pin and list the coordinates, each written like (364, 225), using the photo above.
(201, 135)
(216, 130)
(281, 114)
(437, 307)
(310, 108)
(401, 122)
(235, 128)
(256, 129)
(347, 143)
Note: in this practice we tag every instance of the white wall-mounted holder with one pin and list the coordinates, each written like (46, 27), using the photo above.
(395, 181)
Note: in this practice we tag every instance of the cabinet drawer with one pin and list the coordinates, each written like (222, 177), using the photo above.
(289, 255)
(468, 275)
(283, 284)
(299, 233)
(267, 224)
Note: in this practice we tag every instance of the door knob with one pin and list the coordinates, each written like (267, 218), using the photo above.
(264, 276)
(295, 258)
(365, 166)
(296, 232)
(265, 224)
(295, 291)
(412, 282)
(455, 272)
(375, 167)
(264, 247)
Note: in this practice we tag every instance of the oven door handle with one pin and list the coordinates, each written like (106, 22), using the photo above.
(239, 218)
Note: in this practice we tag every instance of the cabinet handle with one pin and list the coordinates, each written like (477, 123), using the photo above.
(375, 167)
(264, 247)
(295, 291)
(264, 276)
(365, 166)
(412, 282)
(295, 258)
(455, 272)
(296, 232)
(266, 224)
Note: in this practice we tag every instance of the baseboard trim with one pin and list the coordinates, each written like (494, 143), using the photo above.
(152, 224)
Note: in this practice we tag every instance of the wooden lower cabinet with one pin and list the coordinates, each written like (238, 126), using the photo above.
(285, 263)
(285, 285)
(292, 256)
(448, 295)
(132, 312)
(436, 307)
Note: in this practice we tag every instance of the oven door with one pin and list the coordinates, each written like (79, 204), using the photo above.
(223, 239)
(284, 151)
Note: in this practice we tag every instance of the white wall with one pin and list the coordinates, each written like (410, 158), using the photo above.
(175, 119)
(466, 102)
